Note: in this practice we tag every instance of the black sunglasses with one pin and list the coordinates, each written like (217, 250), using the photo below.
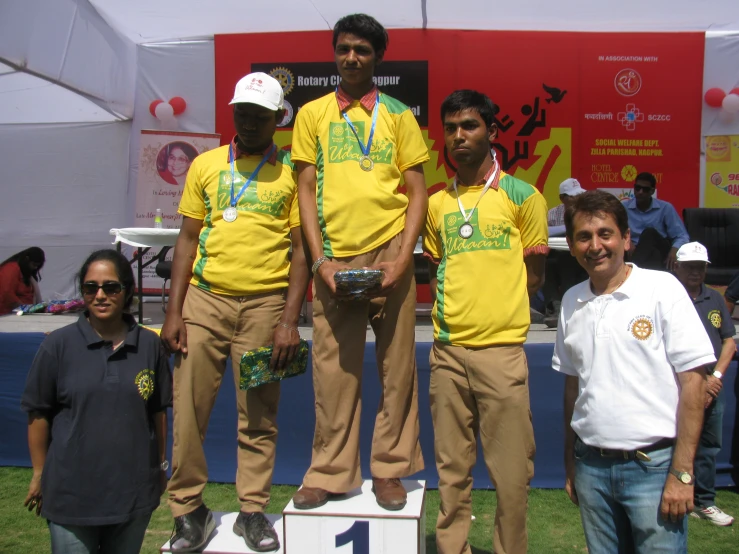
(90, 288)
(641, 188)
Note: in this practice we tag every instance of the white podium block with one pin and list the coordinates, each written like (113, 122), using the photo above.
(225, 541)
(355, 524)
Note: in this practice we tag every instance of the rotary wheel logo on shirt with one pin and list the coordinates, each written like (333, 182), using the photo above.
(641, 327)
(451, 220)
(714, 316)
(145, 383)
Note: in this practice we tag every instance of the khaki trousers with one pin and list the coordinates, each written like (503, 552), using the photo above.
(339, 336)
(481, 391)
(217, 327)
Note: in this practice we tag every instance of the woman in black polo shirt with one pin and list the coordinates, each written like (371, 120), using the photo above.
(96, 397)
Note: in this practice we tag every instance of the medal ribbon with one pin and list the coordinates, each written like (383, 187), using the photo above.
(365, 150)
(235, 200)
(492, 179)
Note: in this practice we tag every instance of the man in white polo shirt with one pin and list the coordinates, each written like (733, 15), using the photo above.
(633, 349)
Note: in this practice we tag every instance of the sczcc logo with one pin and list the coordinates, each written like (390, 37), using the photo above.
(627, 82)
(630, 117)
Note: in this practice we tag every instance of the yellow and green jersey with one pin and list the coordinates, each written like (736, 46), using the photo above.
(248, 255)
(481, 297)
(358, 210)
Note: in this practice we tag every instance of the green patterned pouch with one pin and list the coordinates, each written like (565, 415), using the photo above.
(254, 368)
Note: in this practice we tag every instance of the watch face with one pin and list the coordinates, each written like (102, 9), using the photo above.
(685, 478)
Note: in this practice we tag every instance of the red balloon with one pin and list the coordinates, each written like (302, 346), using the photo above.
(153, 107)
(178, 104)
(735, 91)
(714, 97)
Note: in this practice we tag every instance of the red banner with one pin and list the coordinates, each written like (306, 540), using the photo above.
(600, 107)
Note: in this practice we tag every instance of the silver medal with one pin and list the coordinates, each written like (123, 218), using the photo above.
(366, 163)
(230, 214)
(466, 230)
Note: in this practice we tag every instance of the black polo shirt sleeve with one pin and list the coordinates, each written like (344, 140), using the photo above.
(40, 393)
(727, 330)
(162, 397)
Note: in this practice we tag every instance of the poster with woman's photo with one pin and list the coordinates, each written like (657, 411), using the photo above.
(164, 159)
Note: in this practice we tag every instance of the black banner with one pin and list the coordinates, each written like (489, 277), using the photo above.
(302, 82)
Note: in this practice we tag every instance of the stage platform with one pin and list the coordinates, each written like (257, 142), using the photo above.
(20, 337)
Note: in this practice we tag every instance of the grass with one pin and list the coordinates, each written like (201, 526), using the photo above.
(554, 523)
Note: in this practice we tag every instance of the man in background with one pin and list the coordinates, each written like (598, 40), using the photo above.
(656, 229)
(562, 269)
(692, 260)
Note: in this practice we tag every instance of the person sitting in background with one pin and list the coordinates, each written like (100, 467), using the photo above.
(656, 229)
(96, 397)
(568, 190)
(692, 259)
(19, 277)
(731, 294)
(562, 269)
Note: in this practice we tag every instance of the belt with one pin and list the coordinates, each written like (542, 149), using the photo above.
(640, 454)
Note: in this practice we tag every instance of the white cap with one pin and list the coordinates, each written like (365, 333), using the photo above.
(692, 252)
(260, 89)
(570, 187)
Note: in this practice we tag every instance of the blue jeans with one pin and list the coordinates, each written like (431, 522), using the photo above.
(705, 458)
(619, 504)
(121, 538)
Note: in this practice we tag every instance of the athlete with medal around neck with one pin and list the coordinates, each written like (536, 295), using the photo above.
(487, 227)
(350, 148)
(234, 288)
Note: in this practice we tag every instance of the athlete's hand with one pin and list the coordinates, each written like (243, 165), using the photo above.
(327, 270)
(393, 275)
(174, 334)
(285, 344)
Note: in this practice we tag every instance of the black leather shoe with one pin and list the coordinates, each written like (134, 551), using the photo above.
(257, 531)
(192, 531)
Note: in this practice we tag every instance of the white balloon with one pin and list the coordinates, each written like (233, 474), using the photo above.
(727, 118)
(164, 111)
(731, 103)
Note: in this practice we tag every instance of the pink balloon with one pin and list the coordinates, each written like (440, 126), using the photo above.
(178, 104)
(153, 107)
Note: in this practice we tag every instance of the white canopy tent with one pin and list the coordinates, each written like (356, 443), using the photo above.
(77, 76)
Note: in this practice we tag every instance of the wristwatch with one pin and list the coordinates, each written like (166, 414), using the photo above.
(683, 476)
(164, 466)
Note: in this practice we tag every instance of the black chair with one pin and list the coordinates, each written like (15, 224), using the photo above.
(163, 269)
(718, 230)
